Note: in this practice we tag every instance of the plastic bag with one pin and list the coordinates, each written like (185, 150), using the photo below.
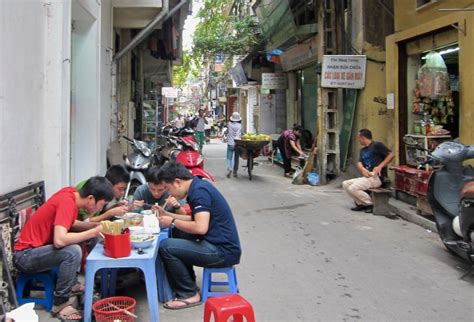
(433, 77)
(313, 178)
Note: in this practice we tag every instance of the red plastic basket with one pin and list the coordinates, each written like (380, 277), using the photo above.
(105, 310)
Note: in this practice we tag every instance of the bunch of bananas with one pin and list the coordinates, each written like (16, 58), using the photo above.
(256, 137)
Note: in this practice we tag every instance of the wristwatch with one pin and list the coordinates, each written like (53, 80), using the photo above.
(172, 225)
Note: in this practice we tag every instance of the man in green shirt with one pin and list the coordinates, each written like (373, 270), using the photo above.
(119, 177)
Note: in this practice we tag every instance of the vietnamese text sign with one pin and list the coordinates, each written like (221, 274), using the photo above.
(169, 92)
(299, 56)
(344, 71)
(274, 80)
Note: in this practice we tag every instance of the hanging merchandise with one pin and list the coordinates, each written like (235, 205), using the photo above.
(433, 77)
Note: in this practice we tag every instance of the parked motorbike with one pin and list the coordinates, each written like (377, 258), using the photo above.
(451, 196)
(192, 159)
(137, 164)
(183, 149)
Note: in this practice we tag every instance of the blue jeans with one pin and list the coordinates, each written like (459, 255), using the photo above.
(232, 153)
(180, 255)
(40, 259)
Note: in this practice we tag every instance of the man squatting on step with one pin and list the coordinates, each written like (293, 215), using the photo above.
(373, 159)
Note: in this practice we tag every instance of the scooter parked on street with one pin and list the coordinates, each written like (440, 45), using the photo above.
(183, 149)
(192, 159)
(137, 164)
(451, 196)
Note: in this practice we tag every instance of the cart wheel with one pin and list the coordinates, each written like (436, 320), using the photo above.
(250, 165)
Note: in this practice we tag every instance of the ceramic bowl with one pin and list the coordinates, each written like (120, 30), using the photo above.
(142, 240)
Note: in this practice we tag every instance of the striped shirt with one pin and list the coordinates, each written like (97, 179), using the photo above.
(233, 132)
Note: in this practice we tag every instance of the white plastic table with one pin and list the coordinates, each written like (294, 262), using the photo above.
(146, 262)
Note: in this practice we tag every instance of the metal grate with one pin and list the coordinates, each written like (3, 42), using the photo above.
(15, 207)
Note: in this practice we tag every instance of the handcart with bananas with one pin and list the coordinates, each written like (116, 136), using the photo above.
(250, 149)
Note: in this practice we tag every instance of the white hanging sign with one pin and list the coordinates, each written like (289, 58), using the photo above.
(343, 71)
(169, 92)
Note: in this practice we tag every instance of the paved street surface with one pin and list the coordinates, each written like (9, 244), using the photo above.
(307, 257)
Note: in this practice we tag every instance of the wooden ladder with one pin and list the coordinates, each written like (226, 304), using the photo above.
(328, 99)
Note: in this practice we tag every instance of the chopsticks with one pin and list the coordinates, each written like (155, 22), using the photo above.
(123, 310)
(111, 227)
(166, 202)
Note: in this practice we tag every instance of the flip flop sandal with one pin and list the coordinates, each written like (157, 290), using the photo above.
(70, 314)
(186, 304)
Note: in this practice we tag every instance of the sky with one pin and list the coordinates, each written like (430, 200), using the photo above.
(190, 25)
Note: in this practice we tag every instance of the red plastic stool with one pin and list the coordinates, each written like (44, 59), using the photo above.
(223, 307)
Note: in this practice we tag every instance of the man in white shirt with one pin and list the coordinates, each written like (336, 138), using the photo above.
(179, 121)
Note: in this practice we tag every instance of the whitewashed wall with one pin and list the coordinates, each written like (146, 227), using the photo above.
(108, 130)
(22, 92)
(35, 93)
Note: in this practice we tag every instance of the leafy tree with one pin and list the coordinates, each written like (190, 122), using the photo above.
(221, 32)
(187, 70)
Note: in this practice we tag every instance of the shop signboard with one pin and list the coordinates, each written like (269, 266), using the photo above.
(300, 56)
(274, 81)
(343, 71)
(238, 76)
(169, 92)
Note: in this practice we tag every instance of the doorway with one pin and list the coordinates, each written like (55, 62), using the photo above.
(84, 110)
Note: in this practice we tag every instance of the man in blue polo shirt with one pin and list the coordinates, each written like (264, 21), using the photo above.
(207, 238)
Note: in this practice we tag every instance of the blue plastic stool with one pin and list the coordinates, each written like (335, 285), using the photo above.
(44, 281)
(207, 282)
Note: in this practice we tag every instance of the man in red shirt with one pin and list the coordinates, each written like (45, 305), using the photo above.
(51, 238)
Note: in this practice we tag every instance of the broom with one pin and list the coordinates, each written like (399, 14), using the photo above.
(300, 178)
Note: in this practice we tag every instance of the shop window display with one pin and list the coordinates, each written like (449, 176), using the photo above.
(433, 110)
(433, 106)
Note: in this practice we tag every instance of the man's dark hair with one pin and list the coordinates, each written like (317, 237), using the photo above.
(152, 175)
(173, 170)
(366, 134)
(117, 174)
(99, 187)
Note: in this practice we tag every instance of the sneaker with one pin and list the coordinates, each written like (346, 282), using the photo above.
(369, 209)
(359, 208)
(235, 175)
(288, 175)
(228, 173)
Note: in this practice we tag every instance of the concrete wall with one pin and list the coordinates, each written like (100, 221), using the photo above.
(406, 15)
(370, 111)
(108, 131)
(34, 69)
(35, 91)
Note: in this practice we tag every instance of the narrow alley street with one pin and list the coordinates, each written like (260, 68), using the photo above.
(307, 257)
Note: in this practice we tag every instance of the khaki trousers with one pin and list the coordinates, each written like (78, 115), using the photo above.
(356, 188)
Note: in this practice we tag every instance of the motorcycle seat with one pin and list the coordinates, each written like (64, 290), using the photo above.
(468, 190)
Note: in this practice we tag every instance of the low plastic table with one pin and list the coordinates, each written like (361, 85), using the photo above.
(146, 262)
